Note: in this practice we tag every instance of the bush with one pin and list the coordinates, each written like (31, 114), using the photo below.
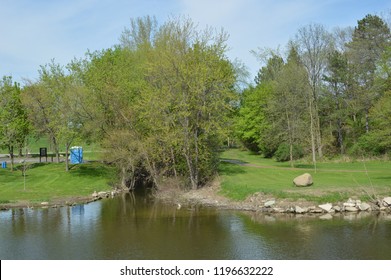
(369, 144)
(283, 152)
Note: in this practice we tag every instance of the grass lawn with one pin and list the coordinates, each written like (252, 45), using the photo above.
(91, 151)
(333, 181)
(45, 182)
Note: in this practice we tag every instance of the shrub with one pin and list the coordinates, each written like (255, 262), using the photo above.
(369, 144)
(283, 152)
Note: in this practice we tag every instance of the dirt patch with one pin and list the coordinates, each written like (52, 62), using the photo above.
(210, 196)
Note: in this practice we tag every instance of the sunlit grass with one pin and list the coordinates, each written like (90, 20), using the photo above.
(44, 182)
(333, 181)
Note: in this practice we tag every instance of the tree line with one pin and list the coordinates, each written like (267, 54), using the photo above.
(158, 102)
(164, 100)
(329, 96)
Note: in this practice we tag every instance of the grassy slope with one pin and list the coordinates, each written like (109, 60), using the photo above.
(333, 181)
(90, 151)
(50, 181)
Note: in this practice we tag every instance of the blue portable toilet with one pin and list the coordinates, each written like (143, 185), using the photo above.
(76, 155)
(4, 164)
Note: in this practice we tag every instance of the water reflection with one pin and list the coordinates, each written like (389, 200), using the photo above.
(130, 227)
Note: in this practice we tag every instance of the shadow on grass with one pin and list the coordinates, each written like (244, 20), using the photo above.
(30, 165)
(235, 161)
(90, 170)
(228, 168)
(304, 166)
(381, 178)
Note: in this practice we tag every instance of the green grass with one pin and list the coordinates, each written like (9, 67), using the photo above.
(333, 181)
(45, 182)
(91, 151)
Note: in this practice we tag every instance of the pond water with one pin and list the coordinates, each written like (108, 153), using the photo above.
(129, 227)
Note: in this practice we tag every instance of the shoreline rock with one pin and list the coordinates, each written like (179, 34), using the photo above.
(60, 202)
(256, 203)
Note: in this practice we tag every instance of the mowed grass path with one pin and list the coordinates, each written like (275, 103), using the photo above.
(244, 174)
(45, 182)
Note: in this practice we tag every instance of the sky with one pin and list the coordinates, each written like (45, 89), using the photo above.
(33, 32)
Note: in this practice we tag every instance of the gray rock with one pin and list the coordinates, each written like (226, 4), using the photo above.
(349, 204)
(45, 203)
(317, 211)
(351, 209)
(304, 180)
(337, 208)
(326, 207)
(278, 210)
(387, 201)
(103, 194)
(290, 210)
(364, 207)
(270, 203)
(299, 210)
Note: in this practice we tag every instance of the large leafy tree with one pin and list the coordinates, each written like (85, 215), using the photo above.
(160, 100)
(313, 43)
(371, 37)
(253, 125)
(288, 105)
(53, 107)
(337, 85)
(14, 125)
(190, 89)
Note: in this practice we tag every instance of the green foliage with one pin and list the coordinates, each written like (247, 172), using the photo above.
(377, 141)
(164, 100)
(283, 152)
(368, 145)
(14, 125)
(53, 105)
(160, 102)
(252, 126)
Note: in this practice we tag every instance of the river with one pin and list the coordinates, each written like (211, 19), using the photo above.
(128, 227)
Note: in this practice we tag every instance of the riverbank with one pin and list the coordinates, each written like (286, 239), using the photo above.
(210, 196)
(246, 182)
(48, 184)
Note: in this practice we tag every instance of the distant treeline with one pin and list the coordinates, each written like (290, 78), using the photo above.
(329, 95)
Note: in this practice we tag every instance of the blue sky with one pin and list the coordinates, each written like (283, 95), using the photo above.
(32, 32)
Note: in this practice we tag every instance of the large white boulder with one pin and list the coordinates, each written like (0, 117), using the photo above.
(304, 180)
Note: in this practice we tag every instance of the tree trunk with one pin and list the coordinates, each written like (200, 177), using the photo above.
(318, 134)
(340, 136)
(290, 136)
(56, 149)
(11, 153)
(313, 145)
(366, 120)
(173, 162)
(67, 157)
